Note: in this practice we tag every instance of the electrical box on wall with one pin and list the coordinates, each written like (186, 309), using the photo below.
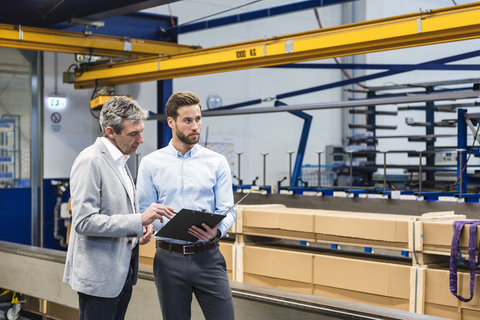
(335, 155)
(446, 158)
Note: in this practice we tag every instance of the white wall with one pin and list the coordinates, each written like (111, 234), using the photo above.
(78, 128)
(272, 133)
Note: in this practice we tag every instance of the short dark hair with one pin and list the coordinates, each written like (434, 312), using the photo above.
(180, 99)
(117, 109)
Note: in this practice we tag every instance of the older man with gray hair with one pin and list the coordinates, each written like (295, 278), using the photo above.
(102, 257)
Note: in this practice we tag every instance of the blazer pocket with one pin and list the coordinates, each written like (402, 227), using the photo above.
(94, 260)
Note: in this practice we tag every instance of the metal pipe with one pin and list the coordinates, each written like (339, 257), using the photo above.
(264, 167)
(420, 170)
(384, 169)
(319, 167)
(290, 167)
(338, 104)
(350, 155)
(239, 179)
(461, 169)
(345, 104)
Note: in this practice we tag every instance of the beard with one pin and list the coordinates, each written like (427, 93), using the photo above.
(187, 139)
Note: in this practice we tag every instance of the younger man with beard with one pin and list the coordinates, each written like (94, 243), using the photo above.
(186, 175)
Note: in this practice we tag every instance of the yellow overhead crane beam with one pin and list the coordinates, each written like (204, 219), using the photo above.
(417, 29)
(41, 39)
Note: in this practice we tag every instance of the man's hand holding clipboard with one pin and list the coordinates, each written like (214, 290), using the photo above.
(189, 224)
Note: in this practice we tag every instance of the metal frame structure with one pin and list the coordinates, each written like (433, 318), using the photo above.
(40, 39)
(464, 121)
(429, 109)
(416, 29)
(393, 71)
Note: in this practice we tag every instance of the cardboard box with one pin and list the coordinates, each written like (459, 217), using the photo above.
(295, 286)
(371, 276)
(279, 222)
(369, 229)
(438, 288)
(437, 236)
(278, 263)
(147, 252)
(451, 312)
(372, 229)
(237, 226)
(438, 291)
(370, 281)
(226, 248)
(146, 261)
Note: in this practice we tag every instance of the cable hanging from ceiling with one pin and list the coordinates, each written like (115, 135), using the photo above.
(209, 16)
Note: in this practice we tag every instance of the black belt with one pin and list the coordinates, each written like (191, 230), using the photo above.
(188, 248)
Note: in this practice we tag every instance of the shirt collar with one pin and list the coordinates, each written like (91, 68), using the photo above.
(190, 153)
(116, 154)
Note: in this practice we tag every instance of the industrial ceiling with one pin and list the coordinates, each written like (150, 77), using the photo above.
(47, 13)
(28, 24)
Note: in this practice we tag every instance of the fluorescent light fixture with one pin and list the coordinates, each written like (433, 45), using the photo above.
(56, 102)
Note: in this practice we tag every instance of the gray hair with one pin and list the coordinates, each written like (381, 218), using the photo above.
(117, 109)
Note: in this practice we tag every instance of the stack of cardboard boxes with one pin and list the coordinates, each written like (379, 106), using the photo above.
(420, 286)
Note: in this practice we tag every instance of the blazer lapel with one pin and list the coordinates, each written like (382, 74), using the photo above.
(108, 158)
(134, 192)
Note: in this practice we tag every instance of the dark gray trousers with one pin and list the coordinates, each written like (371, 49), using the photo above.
(95, 308)
(204, 274)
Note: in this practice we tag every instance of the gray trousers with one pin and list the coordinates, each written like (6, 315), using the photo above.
(204, 274)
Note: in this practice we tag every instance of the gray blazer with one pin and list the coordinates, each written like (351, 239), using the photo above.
(103, 226)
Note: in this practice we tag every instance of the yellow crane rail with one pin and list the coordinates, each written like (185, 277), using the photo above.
(410, 30)
(30, 38)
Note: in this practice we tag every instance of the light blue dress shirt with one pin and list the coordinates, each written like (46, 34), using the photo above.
(199, 180)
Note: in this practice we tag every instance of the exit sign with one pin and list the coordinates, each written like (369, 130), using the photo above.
(57, 102)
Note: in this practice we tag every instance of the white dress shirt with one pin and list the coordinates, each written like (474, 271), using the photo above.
(121, 162)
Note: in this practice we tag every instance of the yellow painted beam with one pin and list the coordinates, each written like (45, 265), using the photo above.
(416, 29)
(40, 39)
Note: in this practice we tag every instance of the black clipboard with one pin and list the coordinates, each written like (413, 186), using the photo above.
(177, 227)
